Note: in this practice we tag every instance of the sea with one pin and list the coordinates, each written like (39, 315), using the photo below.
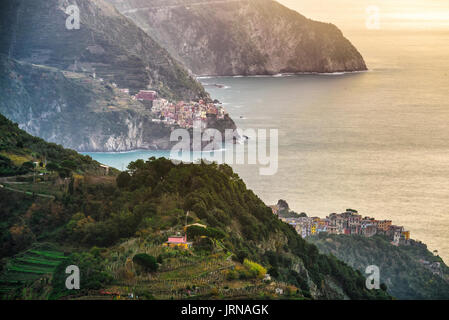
(375, 141)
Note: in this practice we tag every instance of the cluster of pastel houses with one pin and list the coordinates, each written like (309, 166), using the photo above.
(348, 223)
(181, 113)
(184, 114)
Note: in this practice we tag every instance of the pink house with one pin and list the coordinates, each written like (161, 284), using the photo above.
(177, 239)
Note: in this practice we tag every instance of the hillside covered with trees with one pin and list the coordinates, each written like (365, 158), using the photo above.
(18, 151)
(409, 271)
(102, 222)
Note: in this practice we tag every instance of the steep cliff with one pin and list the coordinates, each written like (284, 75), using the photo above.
(106, 43)
(63, 85)
(242, 37)
(75, 110)
(80, 112)
(409, 271)
(18, 147)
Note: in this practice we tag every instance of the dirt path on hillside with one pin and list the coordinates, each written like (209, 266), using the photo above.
(29, 193)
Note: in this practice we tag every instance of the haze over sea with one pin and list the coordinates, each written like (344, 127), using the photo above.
(376, 141)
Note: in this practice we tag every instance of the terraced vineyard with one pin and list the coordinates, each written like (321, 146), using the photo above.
(178, 274)
(28, 267)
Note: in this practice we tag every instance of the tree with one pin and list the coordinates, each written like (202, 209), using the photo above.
(147, 262)
(196, 231)
(64, 172)
(28, 165)
(123, 180)
(204, 244)
(51, 166)
(215, 233)
(69, 164)
(255, 269)
(136, 165)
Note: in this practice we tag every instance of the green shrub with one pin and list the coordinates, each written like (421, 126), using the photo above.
(28, 165)
(51, 166)
(123, 180)
(215, 233)
(255, 269)
(147, 262)
(204, 244)
(196, 231)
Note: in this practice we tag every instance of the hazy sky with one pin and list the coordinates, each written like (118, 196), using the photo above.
(351, 15)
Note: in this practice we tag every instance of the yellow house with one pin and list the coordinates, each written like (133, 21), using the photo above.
(406, 235)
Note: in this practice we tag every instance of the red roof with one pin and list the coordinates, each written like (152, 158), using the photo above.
(146, 95)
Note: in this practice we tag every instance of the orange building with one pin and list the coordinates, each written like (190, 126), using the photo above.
(406, 235)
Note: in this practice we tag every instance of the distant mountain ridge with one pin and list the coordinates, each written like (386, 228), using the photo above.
(63, 85)
(243, 37)
(107, 44)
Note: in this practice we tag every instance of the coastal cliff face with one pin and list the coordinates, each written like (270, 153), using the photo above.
(243, 37)
(106, 43)
(63, 85)
(80, 112)
(409, 271)
(76, 111)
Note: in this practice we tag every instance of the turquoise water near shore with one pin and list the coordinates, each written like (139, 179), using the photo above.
(122, 159)
(374, 141)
